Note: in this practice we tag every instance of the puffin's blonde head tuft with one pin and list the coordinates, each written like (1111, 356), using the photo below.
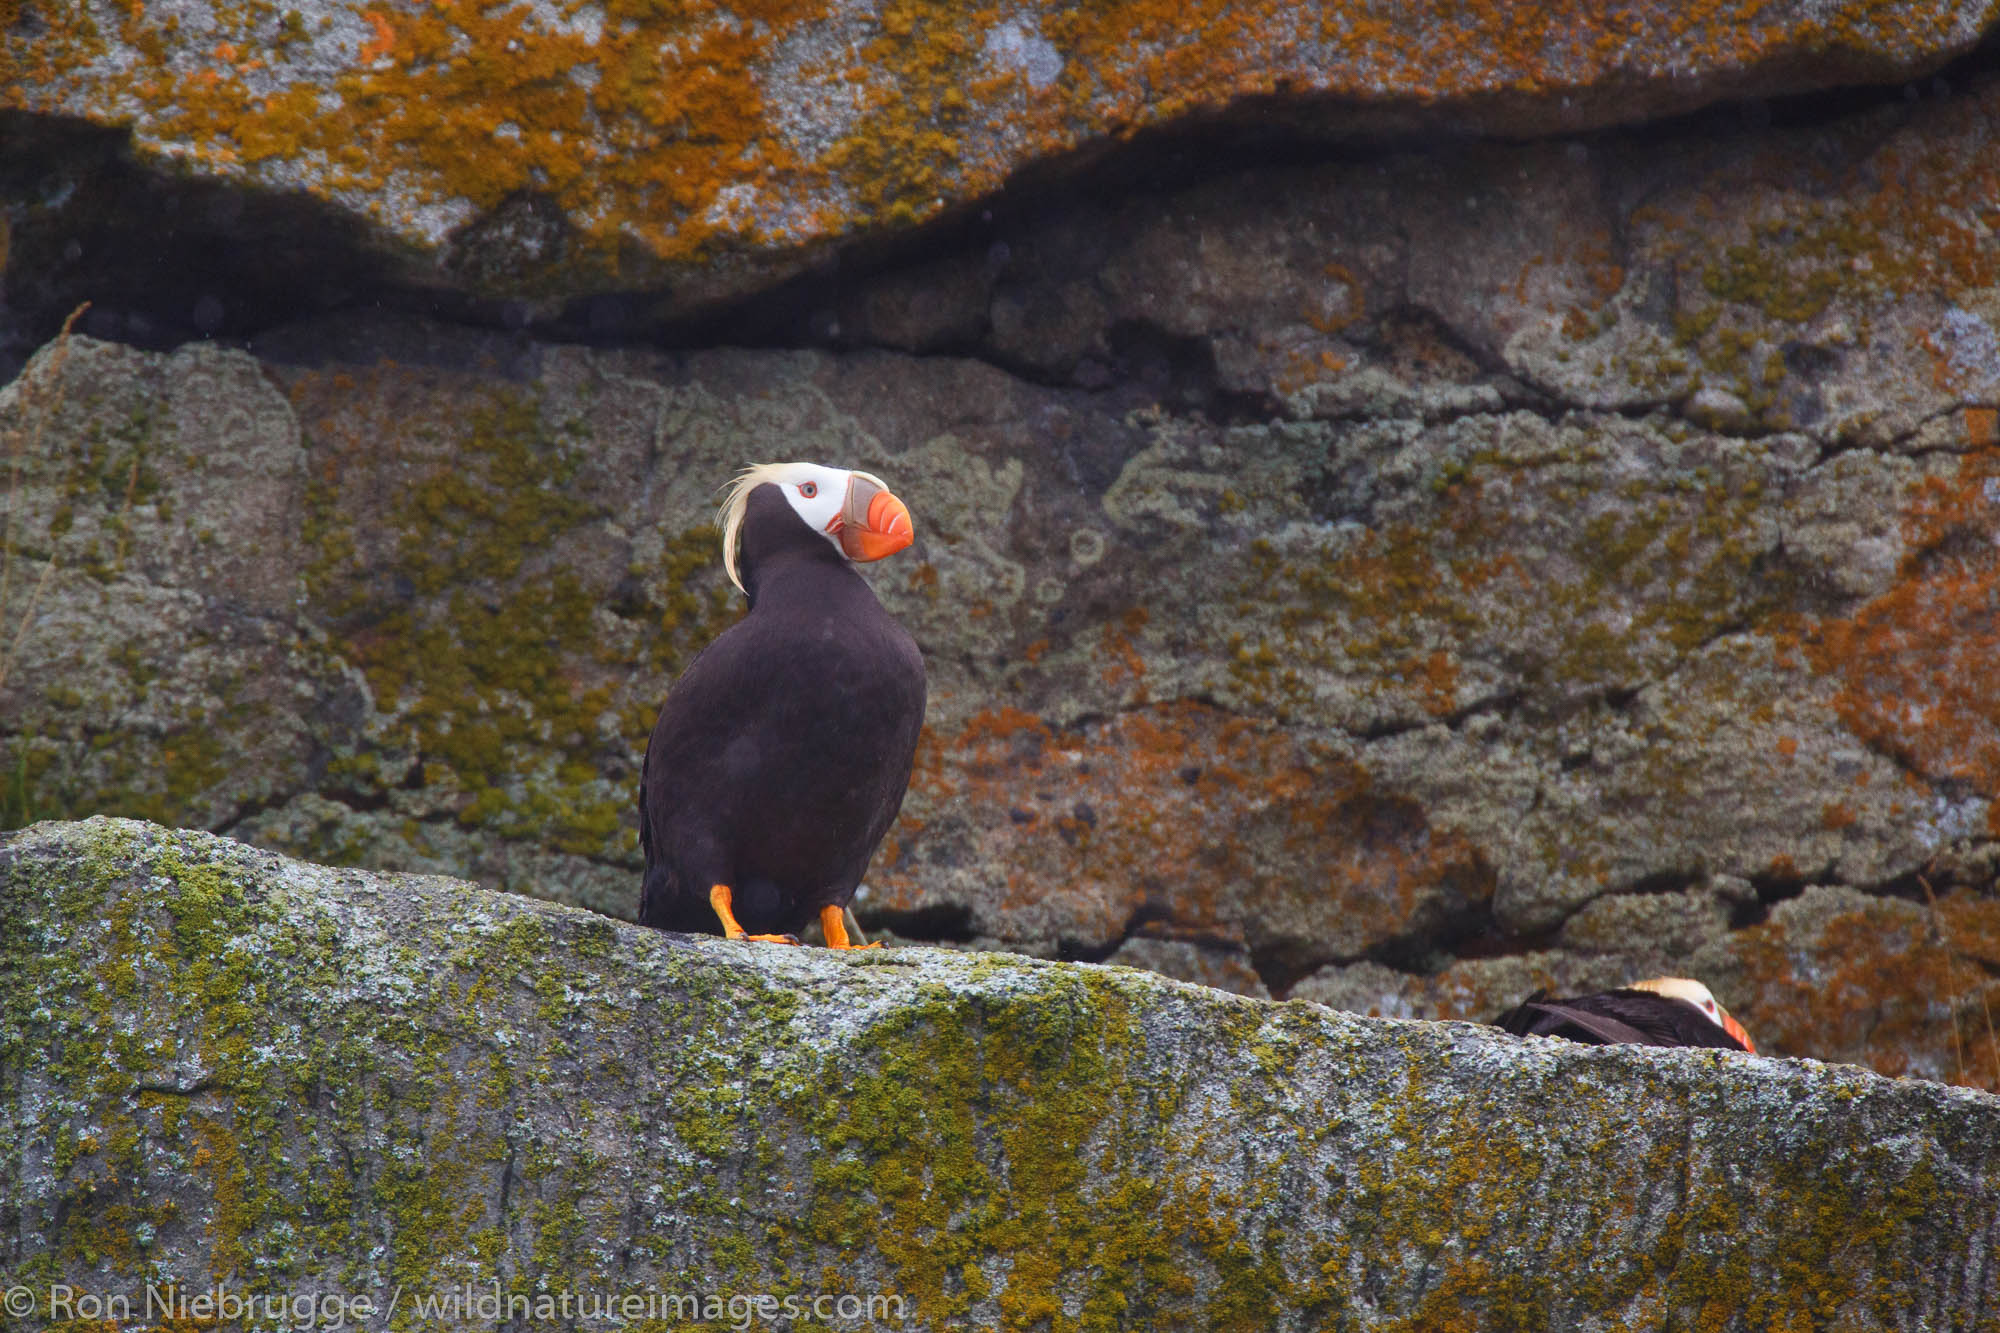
(729, 517)
(736, 498)
(1678, 988)
(1701, 997)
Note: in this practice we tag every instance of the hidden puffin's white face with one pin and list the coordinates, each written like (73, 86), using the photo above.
(853, 510)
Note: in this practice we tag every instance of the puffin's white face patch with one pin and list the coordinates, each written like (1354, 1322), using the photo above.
(817, 494)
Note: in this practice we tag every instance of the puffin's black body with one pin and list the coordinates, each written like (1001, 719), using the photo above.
(782, 754)
(1615, 1018)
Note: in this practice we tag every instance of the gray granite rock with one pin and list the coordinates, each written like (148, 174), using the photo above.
(233, 1072)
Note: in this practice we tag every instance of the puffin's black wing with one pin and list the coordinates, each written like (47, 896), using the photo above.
(659, 892)
(697, 790)
(1616, 1018)
(1552, 1018)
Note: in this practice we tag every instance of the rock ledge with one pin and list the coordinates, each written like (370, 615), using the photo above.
(223, 1066)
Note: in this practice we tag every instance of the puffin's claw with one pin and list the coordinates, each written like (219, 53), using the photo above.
(833, 921)
(719, 898)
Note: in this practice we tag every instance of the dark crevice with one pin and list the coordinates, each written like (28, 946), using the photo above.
(356, 800)
(1086, 951)
(170, 258)
(1730, 120)
(1750, 433)
(372, 802)
(1832, 449)
(1473, 933)
(1151, 911)
(164, 259)
(1503, 702)
(1099, 717)
(1972, 869)
(193, 1089)
(249, 810)
(1280, 969)
(1406, 329)
(1773, 887)
(1209, 941)
(1142, 366)
(943, 922)
(1389, 728)
(1468, 931)
(1909, 887)
(1729, 628)
(507, 1182)
(1664, 881)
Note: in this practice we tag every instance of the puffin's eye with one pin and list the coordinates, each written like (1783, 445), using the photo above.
(809, 489)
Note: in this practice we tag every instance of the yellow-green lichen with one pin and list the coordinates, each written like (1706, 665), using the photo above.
(492, 679)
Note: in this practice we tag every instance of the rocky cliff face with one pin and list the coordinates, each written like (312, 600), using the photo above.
(224, 1070)
(1353, 562)
(537, 153)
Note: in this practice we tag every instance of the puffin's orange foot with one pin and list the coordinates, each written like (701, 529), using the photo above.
(719, 898)
(833, 921)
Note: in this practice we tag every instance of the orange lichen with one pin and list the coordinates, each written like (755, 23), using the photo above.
(1982, 427)
(1867, 985)
(1124, 664)
(651, 122)
(1914, 665)
(1436, 677)
(383, 42)
(1207, 822)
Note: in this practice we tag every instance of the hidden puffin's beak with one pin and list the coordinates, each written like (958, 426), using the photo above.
(1735, 1029)
(874, 523)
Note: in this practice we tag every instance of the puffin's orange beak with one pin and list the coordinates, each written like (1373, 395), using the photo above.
(874, 523)
(1735, 1029)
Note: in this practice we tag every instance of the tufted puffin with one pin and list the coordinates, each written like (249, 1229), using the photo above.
(782, 753)
(1664, 1011)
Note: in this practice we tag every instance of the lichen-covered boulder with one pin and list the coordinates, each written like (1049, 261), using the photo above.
(549, 151)
(228, 1071)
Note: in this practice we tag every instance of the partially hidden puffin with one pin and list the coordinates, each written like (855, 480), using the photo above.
(783, 751)
(1662, 1011)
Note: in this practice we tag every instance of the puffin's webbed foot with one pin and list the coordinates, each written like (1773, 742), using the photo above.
(833, 920)
(719, 898)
